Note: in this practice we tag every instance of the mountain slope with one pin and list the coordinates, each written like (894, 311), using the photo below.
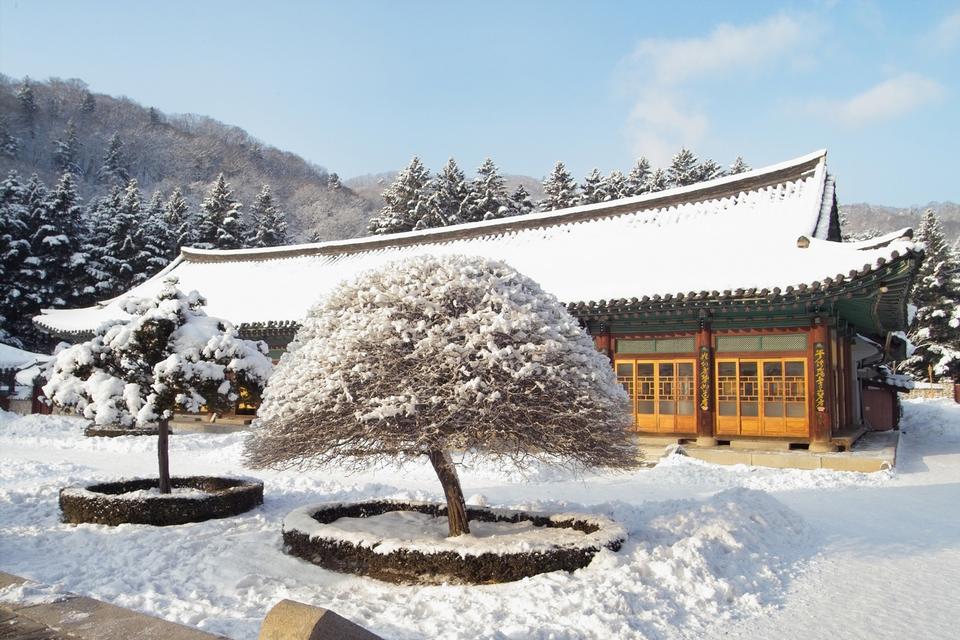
(167, 151)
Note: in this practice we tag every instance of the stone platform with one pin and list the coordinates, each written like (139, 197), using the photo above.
(69, 616)
(873, 451)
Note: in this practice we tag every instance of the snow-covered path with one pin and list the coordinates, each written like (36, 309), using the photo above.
(714, 551)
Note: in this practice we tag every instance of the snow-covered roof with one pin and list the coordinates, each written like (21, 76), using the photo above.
(770, 228)
(13, 358)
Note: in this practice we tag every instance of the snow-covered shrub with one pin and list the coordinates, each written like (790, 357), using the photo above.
(170, 355)
(435, 354)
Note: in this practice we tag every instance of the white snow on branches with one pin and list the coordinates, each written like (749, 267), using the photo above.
(441, 353)
(170, 355)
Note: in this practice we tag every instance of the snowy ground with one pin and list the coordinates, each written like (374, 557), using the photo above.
(713, 551)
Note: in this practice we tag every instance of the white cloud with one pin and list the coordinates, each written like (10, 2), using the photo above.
(886, 100)
(726, 49)
(946, 34)
(664, 117)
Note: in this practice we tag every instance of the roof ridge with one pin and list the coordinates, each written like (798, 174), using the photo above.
(715, 189)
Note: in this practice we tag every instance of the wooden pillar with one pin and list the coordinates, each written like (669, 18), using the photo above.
(603, 341)
(705, 409)
(821, 421)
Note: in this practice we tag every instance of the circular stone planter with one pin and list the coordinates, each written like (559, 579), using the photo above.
(115, 432)
(312, 533)
(129, 501)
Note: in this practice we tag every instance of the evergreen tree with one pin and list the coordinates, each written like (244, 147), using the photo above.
(520, 202)
(57, 244)
(157, 235)
(177, 214)
(708, 170)
(683, 169)
(219, 226)
(27, 103)
(488, 194)
(15, 301)
(268, 225)
(88, 104)
(333, 182)
(156, 118)
(936, 294)
(559, 189)
(449, 200)
(66, 149)
(100, 218)
(617, 186)
(405, 201)
(657, 181)
(593, 189)
(9, 144)
(112, 170)
(124, 256)
(638, 180)
(738, 166)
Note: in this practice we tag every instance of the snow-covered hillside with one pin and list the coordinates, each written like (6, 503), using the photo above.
(713, 551)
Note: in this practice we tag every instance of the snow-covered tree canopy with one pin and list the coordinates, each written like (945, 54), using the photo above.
(170, 355)
(437, 354)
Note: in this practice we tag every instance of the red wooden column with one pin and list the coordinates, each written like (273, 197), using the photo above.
(603, 341)
(706, 436)
(821, 376)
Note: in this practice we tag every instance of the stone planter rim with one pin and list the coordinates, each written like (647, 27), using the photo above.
(312, 540)
(85, 504)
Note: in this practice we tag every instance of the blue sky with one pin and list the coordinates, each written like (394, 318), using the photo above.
(361, 87)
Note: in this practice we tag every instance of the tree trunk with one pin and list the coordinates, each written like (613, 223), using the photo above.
(163, 456)
(456, 505)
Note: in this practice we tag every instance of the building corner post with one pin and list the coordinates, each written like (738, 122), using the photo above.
(706, 436)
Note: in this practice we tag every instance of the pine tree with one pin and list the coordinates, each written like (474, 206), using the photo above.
(27, 103)
(57, 244)
(156, 118)
(112, 170)
(638, 180)
(88, 104)
(268, 225)
(99, 220)
(708, 170)
(405, 201)
(177, 214)
(124, 255)
(738, 166)
(157, 235)
(9, 144)
(593, 189)
(683, 169)
(449, 200)
(559, 189)
(218, 225)
(333, 182)
(14, 253)
(657, 181)
(936, 294)
(520, 202)
(617, 186)
(66, 149)
(488, 194)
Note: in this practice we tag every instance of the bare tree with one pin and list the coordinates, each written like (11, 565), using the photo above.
(434, 355)
(170, 355)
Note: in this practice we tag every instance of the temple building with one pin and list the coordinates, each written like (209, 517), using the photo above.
(730, 309)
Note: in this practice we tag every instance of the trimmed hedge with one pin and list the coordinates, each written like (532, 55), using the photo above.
(115, 432)
(99, 504)
(417, 567)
